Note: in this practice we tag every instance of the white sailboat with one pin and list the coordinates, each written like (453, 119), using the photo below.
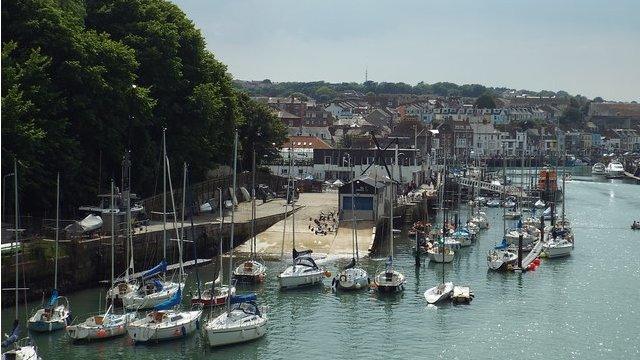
(108, 324)
(352, 277)
(439, 293)
(215, 293)
(501, 259)
(560, 240)
(390, 280)
(614, 170)
(303, 271)
(124, 286)
(251, 270)
(243, 320)
(154, 292)
(14, 346)
(54, 315)
(167, 321)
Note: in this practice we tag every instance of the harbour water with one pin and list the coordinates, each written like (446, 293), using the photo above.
(582, 307)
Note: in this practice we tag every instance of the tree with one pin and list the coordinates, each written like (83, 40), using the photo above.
(485, 101)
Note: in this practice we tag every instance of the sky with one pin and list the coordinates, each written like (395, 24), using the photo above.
(583, 47)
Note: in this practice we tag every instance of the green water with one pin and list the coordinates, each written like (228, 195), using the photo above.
(584, 306)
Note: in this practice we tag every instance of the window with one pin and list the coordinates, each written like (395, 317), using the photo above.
(327, 160)
(371, 160)
(299, 171)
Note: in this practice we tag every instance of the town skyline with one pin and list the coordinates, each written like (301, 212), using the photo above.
(578, 47)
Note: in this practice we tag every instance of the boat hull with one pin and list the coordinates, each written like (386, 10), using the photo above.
(440, 258)
(389, 282)
(136, 301)
(351, 279)
(292, 282)
(55, 320)
(89, 330)
(144, 332)
(439, 293)
(228, 336)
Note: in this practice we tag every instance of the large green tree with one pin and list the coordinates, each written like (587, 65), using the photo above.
(82, 82)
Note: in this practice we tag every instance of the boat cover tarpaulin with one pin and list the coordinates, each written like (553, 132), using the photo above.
(160, 268)
(243, 298)
(170, 302)
(503, 245)
(54, 298)
(89, 223)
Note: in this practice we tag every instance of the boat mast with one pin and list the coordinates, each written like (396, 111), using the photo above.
(17, 230)
(253, 204)
(55, 277)
(164, 194)
(175, 222)
(126, 180)
(354, 233)
(504, 193)
(286, 203)
(391, 210)
(235, 168)
(181, 237)
(113, 226)
(564, 191)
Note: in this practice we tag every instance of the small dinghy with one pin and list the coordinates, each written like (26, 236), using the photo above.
(462, 295)
(439, 293)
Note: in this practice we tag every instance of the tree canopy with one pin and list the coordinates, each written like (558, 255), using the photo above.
(83, 81)
(485, 101)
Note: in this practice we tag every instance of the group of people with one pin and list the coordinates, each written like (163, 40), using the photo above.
(325, 223)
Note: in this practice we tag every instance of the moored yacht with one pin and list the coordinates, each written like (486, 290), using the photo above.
(614, 170)
(598, 169)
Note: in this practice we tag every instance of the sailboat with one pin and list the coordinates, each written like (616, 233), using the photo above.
(108, 324)
(303, 271)
(55, 314)
(243, 320)
(443, 253)
(352, 277)
(251, 271)
(16, 348)
(215, 293)
(167, 321)
(390, 280)
(156, 291)
(124, 286)
(500, 258)
(560, 242)
(441, 291)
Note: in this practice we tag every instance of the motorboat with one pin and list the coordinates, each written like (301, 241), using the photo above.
(480, 219)
(165, 323)
(53, 316)
(558, 248)
(103, 326)
(439, 293)
(389, 280)
(512, 215)
(87, 225)
(635, 225)
(614, 170)
(244, 321)
(501, 260)
(539, 204)
(508, 204)
(303, 272)
(493, 203)
(598, 169)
